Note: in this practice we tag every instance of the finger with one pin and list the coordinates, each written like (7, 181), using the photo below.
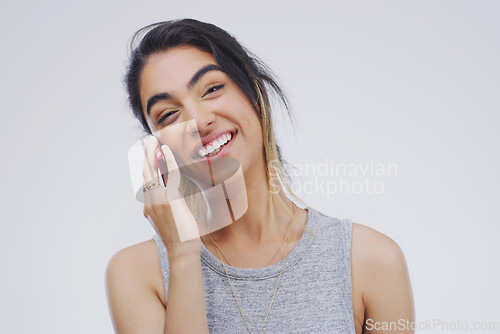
(150, 167)
(154, 192)
(147, 198)
(162, 164)
(169, 158)
(174, 175)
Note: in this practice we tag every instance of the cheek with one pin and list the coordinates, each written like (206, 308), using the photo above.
(240, 112)
(246, 116)
(255, 126)
(250, 126)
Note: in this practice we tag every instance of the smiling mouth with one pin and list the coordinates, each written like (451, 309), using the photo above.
(215, 146)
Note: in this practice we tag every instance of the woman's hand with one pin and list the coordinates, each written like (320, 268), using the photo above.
(165, 207)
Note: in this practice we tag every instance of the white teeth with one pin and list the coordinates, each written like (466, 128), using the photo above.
(214, 145)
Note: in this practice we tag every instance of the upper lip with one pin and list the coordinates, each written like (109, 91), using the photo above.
(208, 139)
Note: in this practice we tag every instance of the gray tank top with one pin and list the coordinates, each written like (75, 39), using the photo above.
(314, 294)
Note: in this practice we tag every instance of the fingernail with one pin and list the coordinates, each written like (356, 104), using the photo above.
(159, 154)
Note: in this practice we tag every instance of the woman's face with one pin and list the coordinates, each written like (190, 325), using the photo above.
(196, 107)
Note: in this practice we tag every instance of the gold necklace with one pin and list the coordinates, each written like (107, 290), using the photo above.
(277, 284)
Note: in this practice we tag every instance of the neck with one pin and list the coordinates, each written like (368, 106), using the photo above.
(255, 224)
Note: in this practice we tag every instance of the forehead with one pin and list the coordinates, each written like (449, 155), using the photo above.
(172, 68)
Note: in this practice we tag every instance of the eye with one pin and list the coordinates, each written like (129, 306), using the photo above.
(213, 89)
(165, 116)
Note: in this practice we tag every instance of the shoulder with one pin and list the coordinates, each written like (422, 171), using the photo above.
(374, 249)
(379, 269)
(132, 257)
(136, 266)
(375, 258)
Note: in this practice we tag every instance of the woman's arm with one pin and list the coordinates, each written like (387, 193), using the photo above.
(135, 288)
(383, 298)
(134, 303)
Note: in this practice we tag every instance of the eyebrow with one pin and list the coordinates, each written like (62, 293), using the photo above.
(196, 77)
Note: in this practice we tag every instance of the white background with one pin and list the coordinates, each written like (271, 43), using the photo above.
(411, 83)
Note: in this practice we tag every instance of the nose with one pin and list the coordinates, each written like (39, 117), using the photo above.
(204, 120)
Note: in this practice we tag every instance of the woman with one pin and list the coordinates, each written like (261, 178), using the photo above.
(276, 268)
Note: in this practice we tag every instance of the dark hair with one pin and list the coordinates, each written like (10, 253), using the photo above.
(247, 71)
